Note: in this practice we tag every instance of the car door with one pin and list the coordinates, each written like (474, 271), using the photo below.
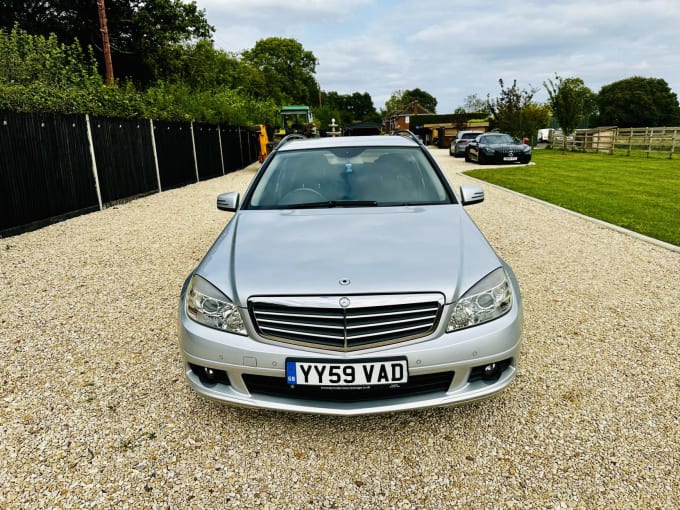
(473, 149)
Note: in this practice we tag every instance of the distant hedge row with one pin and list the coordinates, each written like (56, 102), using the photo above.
(39, 74)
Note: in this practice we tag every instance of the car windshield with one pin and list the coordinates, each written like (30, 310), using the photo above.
(348, 177)
(497, 139)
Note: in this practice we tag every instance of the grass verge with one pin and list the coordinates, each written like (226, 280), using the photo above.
(640, 194)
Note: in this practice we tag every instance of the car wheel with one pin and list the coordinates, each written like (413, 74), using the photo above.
(451, 153)
(467, 156)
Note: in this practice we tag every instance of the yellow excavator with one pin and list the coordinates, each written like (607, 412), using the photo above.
(262, 140)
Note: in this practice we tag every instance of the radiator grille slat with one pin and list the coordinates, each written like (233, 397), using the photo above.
(368, 322)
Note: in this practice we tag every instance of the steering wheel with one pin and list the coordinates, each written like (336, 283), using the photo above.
(290, 197)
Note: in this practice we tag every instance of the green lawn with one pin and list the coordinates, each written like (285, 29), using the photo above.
(638, 193)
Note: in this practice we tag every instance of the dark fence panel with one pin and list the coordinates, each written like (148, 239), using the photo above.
(175, 153)
(232, 152)
(206, 137)
(45, 168)
(124, 154)
(251, 140)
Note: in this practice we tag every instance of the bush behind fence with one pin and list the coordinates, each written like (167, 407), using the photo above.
(56, 166)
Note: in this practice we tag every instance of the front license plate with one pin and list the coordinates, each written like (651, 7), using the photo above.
(346, 373)
(510, 158)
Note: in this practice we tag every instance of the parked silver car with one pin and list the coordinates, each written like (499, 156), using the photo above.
(350, 281)
(459, 143)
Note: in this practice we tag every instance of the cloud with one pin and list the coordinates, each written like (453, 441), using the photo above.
(455, 49)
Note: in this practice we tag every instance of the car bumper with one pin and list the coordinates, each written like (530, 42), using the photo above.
(499, 159)
(242, 361)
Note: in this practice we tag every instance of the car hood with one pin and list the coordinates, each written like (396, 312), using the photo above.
(379, 250)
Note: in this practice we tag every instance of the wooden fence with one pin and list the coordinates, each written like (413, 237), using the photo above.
(648, 140)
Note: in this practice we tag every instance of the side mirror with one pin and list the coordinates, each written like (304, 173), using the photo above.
(228, 201)
(471, 194)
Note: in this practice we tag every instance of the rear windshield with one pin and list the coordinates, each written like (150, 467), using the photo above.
(336, 177)
(470, 136)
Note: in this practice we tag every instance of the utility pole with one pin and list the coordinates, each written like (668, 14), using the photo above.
(105, 41)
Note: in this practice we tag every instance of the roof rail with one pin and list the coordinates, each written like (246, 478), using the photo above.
(288, 138)
(407, 133)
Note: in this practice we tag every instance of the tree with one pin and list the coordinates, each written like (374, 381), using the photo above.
(425, 99)
(401, 99)
(474, 104)
(288, 70)
(514, 111)
(27, 59)
(360, 106)
(638, 102)
(534, 117)
(141, 32)
(160, 25)
(39, 73)
(333, 106)
(202, 67)
(570, 101)
(324, 115)
(395, 102)
(345, 108)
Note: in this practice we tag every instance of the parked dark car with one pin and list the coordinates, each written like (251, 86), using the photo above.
(497, 148)
(457, 147)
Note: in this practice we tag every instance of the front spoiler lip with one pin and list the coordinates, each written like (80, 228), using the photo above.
(471, 392)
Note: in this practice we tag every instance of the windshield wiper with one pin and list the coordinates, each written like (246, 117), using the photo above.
(354, 203)
(332, 203)
(413, 204)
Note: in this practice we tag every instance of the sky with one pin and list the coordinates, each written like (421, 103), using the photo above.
(453, 49)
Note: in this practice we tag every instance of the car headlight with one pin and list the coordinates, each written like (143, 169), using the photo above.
(527, 150)
(208, 306)
(489, 150)
(488, 299)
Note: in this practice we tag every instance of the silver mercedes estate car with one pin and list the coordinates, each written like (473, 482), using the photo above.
(350, 280)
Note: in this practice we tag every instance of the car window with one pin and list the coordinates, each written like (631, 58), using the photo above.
(497, 139)
(470, 136)
(376, 176)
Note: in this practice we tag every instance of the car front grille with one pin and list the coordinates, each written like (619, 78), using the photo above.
(346, 323)
(417, 385)
(507, 151)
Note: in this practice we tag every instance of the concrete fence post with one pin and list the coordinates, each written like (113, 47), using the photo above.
(94, 161)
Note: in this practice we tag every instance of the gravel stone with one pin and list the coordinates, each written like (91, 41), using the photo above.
(95, 413)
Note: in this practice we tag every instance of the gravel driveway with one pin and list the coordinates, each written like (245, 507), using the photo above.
(94, 411)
